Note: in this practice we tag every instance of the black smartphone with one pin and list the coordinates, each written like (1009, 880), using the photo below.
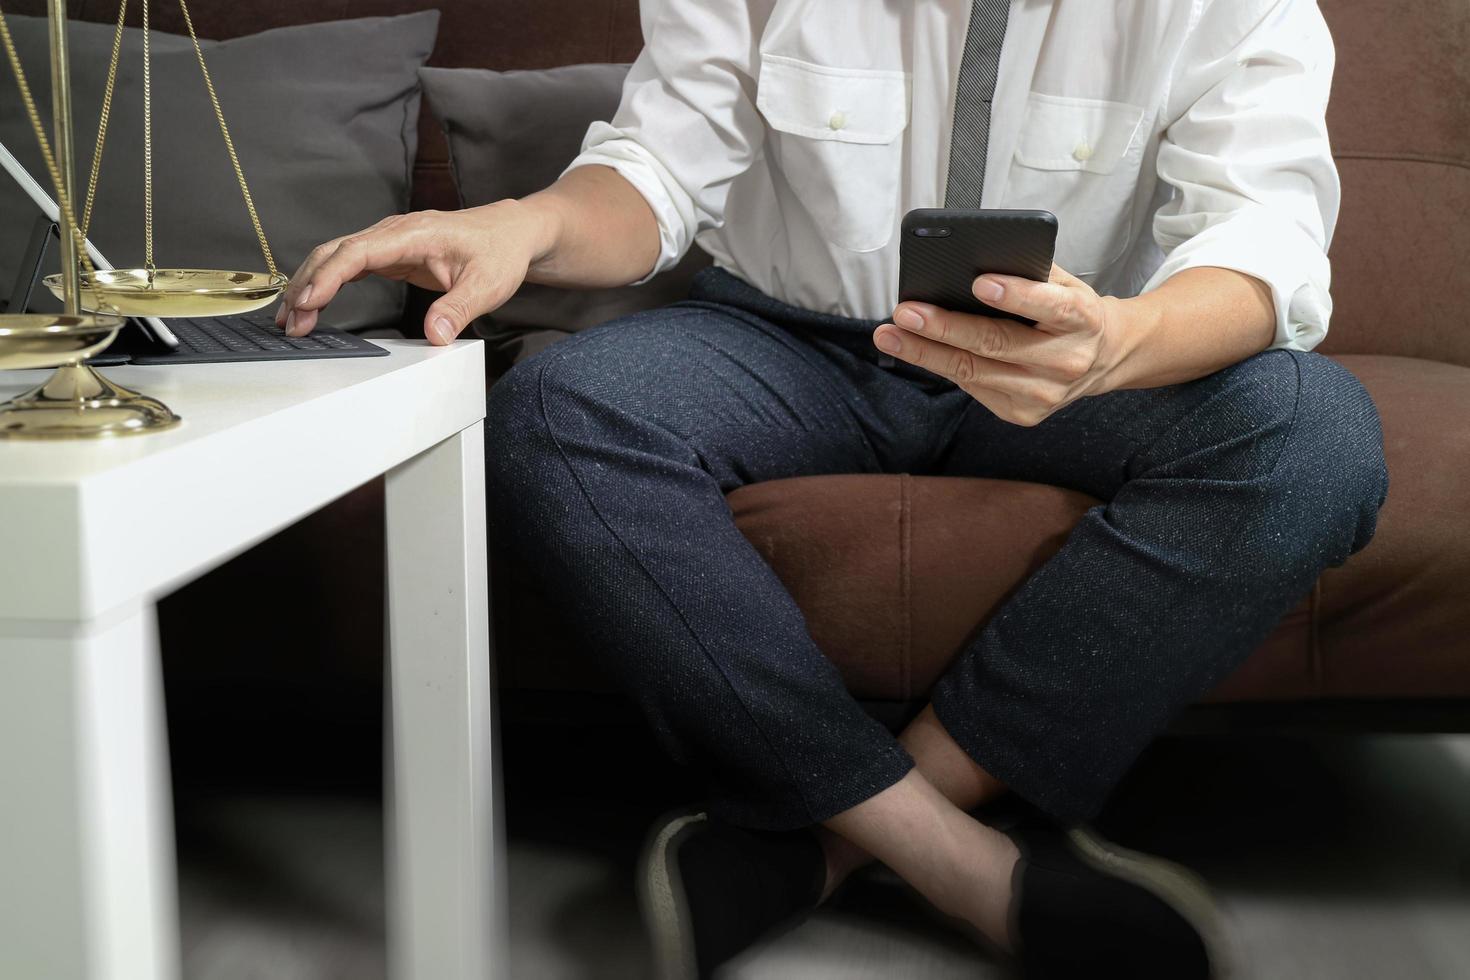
(944, 249)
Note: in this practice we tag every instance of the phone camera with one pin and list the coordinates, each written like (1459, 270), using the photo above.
(932, 232)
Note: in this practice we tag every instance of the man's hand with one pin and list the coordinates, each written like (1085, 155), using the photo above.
(590, 229)
(477, 258)
(1022, 374)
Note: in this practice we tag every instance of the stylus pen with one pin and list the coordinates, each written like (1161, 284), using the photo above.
(49, 208)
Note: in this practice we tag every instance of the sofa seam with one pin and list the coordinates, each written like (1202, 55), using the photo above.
(1396, 157)
(905, 545)
(611, 28)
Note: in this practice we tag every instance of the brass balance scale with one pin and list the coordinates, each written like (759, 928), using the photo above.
(77, 402)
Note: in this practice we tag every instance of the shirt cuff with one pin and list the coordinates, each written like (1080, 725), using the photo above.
(673, 209)
(1276, 251)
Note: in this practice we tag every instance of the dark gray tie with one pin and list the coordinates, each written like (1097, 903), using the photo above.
(973, 93)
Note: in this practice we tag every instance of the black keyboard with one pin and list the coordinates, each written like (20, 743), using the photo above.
(249, 337)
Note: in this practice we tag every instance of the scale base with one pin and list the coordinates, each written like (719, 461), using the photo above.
(78, 403)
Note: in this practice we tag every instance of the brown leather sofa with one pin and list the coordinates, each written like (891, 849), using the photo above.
(894, 572)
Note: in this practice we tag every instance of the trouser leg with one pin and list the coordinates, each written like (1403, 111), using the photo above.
(1226, 498)
(608, 459)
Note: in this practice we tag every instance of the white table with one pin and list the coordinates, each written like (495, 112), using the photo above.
(93, 533)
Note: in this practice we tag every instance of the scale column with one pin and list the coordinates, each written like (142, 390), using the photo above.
(62, 141)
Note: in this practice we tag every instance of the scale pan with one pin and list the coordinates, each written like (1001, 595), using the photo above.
(44, 340)
(175, 292)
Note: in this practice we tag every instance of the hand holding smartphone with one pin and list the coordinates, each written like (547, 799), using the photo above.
(945, 249)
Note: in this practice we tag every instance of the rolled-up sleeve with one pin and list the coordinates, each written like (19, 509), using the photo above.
(1247, 154)
(687, 125)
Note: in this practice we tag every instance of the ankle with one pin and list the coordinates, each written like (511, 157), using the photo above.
(972, 882)
(843, 857)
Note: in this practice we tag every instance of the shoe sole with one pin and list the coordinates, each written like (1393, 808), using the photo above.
(664, 905)
(1176, 886)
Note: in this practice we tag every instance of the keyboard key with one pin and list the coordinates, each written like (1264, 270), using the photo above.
(256, 333)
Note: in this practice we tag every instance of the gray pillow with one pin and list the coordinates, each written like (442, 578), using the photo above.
(512, 133)
(324, 118)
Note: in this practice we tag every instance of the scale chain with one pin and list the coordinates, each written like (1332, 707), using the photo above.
(147, 150)
(219, 114)
(64, 199)
(122, 13)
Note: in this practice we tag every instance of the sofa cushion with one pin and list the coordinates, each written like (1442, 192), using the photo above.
(893, 603)
(512, 133)
(1402, 222)
(1395, 620)
(895, 572)
(1399, 116)
(323, 117)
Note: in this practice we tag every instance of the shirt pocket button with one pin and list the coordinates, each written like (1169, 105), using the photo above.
(1082, 152)
(837, 120)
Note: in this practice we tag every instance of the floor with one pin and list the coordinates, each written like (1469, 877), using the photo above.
(1336, 858)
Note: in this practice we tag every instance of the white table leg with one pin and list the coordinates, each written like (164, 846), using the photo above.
(444, 860)
(87, 875)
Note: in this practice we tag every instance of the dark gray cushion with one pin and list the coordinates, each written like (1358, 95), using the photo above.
(512, 133)
(324, 117)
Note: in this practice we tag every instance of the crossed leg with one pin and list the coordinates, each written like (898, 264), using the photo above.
(922, 831)
(1226, 498)
(612, 454)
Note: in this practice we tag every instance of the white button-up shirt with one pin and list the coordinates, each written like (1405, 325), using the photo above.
(789, 137)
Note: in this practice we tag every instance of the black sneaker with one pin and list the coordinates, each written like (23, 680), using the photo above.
(1084, 907)
(710, 890)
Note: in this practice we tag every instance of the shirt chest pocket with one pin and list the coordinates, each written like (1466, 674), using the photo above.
(1080, 159)
(834, 139)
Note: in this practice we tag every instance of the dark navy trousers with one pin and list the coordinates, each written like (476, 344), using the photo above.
(609, 455)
